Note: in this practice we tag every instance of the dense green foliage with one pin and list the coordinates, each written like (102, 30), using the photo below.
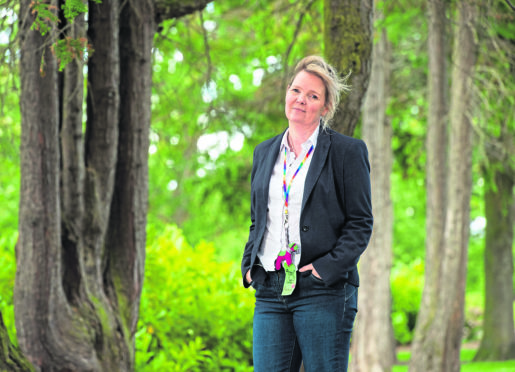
(7, 271)
(9, 191)
(195, 314)
(218, 91)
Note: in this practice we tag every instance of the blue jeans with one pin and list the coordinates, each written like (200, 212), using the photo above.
(313, 325)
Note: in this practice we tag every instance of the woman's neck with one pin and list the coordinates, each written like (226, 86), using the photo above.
(297, 135)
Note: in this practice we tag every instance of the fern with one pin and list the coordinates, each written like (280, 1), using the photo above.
(72, 8)
(44, 15)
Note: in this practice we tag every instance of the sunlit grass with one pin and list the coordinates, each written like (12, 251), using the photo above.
(467, 364)
(508, 366)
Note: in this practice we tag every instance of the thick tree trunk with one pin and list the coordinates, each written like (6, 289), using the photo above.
(126, 235)
(348, 46)
(83, 200)
(37, 252)
(436, 148)
(72, 162)
(443, 352)
(376, 353)
(498, 342)
(78, 311)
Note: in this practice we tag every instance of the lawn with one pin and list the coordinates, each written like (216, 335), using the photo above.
(467, 364)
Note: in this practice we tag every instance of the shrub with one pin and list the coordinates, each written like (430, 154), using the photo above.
(407, 284)
(194, 315)
(7, 273)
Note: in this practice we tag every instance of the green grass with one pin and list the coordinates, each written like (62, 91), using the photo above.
(508, 366)
(467, 364)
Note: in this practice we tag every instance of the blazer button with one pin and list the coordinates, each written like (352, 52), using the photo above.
(305, 228)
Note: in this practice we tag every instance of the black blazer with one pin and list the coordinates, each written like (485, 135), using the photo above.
(336, 216)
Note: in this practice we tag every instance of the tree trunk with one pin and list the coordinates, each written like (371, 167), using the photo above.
(72, 160)
(83, 200)
(126, 235)
(436, 149)
(37, 252)
(377, 353)
(498, 342)
(348, 46)
(442, 353)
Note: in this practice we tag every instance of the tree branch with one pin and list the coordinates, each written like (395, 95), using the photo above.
(295, 34)
(510, 5)
(206, 48)
(169, 9)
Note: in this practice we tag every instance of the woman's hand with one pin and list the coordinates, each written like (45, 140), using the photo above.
(247, 277)
(312, 268)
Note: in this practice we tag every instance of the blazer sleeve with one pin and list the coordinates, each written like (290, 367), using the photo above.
(247, 253)
(357, 205)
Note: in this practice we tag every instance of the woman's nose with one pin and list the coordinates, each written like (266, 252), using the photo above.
(301, 98)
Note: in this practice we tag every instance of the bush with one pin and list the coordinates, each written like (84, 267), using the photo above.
(407, 284)
(7, 273)
(194, 315)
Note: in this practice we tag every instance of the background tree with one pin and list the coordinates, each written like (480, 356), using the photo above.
(83, 202)
(496, 128)
(348, 46)
(436, 171)
(498, 341)
(442, 351)
(375, 300)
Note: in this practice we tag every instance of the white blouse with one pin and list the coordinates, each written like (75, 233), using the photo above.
(274, 239)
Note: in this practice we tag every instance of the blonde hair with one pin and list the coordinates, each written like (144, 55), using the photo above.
(333, 83)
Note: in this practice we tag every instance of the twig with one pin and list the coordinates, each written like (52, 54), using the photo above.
(206, 48)
(295, 35)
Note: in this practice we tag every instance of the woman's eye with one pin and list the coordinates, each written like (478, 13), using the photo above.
(313, 97)
(295, 90)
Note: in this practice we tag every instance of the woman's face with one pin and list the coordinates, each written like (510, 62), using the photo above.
(305, 99)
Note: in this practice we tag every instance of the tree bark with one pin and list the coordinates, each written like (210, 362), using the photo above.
(167, 9)
(37, 252)
(126, 235)
(348, 47)
(436, 167)
(374, 316)
(442, 353)
(498, 341)
(72, 160)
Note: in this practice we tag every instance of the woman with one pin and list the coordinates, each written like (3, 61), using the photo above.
(311, 219)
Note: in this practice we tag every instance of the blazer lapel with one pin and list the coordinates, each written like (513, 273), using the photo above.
(317, 163)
